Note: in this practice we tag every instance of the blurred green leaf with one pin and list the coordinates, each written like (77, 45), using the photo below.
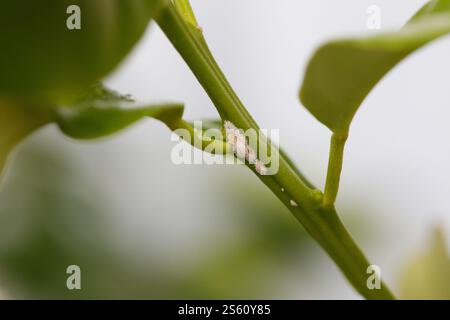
(341, 73)
(427, 276)
(16, 122)
(432, 7)
(42, 58)
(103, 112)
(100, 112)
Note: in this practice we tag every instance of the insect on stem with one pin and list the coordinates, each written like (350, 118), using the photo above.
(241, 148)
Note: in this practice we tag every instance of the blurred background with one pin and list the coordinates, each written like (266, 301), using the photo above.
(140, 226)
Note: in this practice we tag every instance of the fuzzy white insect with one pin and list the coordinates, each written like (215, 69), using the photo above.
(293, 203)
(261, 168)
(231, 132)
(251, 155)
(241, 148)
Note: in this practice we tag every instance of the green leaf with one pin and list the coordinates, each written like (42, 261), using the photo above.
(41, 58)
(17, 120)
(341, 73)
(427, 274)
(103, 112)
(432, 7)
(100, 112)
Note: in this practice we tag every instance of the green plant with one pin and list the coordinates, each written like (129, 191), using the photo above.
(339, 76)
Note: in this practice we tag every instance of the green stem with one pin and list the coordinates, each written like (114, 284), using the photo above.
(287, 184)
(334, 168)
(198, 140)
(185, 8)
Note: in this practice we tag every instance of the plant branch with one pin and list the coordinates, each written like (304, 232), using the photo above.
(335, 161)
(287, 184)
(197, 139)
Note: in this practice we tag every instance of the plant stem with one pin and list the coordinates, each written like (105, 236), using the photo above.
(197, 139)
(335, 161)
(185, 8)
(322, 223)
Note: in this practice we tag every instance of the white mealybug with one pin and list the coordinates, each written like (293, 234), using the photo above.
(261, 168)
(293, 203)
(241, 148)
(230, 131)
(251, 156)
